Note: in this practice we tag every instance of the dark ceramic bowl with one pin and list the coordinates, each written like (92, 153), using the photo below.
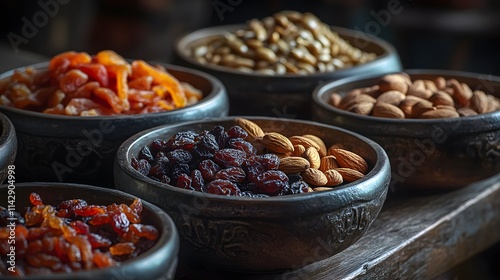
(8, 146)
(264, 234)
(82, 149)
(432, 154)
(283, 95)
(159, 262)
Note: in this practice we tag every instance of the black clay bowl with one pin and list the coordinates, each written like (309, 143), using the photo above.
(264, 234)
(8, 146)
(283, 95)
(82, 149)
(159, 262)
(434, 154)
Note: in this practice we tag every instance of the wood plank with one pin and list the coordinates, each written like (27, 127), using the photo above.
(416, 236)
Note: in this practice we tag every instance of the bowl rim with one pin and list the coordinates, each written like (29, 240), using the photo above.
(169, 236)
(328, 86)
(182, 43)
(377, 171)
(217, 89)
(7, 131)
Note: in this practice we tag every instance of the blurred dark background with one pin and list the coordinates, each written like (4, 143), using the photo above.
(441, 34)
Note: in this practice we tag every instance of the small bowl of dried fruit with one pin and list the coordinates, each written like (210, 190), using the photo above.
(440, 129)
(8, 146)
(72, 113)
(258, 194)
(73, 231)
(270, 65)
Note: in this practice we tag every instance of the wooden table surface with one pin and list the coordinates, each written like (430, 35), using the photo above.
(416, 236)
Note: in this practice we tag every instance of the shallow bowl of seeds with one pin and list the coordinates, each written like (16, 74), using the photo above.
(258, 194)
(440, 129)
(275, 62)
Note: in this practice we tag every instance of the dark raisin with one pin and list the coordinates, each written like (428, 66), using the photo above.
(253, 171)
(240, 144)
(119, 223)
(197, 180)
(179, 169)
(220, 135)
(160, 167)
(229, 157)
(206, 147)
(223, 187)
(298, 187)
(237, 132)
(142, 166)
(272, 182)
(179, 156)
(158, 145)
(233, 174)
(294, 178)
(208, 168)
(182, 140)
(184, 182)
(145, 153)
(269, 161)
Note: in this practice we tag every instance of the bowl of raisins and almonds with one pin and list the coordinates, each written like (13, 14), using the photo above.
(73, 231)
(440, 128)
(234, 205)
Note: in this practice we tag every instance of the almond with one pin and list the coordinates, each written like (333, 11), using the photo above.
(417, 88)
(439, 113)
(349, 159)
(328, 162)
(349, 174)
(430, 85)
(363, 108)
(277, 143)
(319, 142)
(254, 131)
(373, 91)
(290, 165)
(440, 82)
(442, 98)
(461, 94)
(421, 107)
(348, 97)
(312, 155)
(393, 97)
(314, 177)
(355, 100)
(479, 102)
(334, 178)
(298, 150)
(393, 82)
(322, 189)
(301, 140)
(385, 110)
(466, 111)
(335, 99)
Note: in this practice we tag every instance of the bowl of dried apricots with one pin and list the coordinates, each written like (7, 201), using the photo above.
(258, 194)
(73, 112)
(75, 231)
(441, 129)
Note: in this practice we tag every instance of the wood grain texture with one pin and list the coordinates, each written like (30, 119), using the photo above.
(416, 236)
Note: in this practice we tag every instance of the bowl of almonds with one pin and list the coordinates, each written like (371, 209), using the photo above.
(270, 65)
(440, 129)
(258, 194)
